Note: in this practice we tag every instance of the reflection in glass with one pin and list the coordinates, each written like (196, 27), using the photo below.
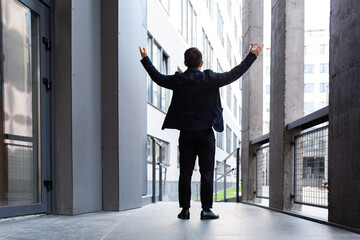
(19, 97)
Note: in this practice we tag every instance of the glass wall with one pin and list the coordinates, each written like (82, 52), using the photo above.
(19, 108)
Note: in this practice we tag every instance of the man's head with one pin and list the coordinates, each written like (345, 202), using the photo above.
(193, 58)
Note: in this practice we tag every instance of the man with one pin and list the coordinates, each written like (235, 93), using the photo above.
(194, 110)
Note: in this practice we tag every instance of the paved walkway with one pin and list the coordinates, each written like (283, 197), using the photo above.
(158, 221)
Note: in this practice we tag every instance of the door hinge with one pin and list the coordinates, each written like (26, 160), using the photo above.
(48, 185)
(47, 83)
(47, 43)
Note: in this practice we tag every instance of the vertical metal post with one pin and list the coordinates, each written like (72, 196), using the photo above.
(237, 174)
(225, 181)
(153, 170)
(160, 173)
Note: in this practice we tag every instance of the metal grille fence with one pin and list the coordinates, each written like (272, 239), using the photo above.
(262, 172)
(311, 168)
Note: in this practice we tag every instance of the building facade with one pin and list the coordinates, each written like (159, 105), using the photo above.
(174, 26)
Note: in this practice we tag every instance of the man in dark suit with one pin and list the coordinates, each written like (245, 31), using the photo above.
(194, 110)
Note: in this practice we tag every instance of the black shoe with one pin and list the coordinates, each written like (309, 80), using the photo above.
(208, 215)
(184, 214)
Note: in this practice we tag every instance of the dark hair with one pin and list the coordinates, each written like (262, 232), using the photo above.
(193, 57)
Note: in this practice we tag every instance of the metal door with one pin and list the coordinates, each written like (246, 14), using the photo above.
(25, 182)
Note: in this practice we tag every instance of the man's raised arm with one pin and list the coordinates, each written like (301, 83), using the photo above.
(161, 79)
(235, 73)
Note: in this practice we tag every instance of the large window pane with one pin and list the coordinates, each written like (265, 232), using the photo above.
(19, 113)
(228, 139)
(220, 26)
(228, 96)
(219, 139)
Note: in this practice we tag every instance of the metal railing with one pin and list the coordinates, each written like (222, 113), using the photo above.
(311, 168)
(310, 160)
(226, 172)
(262, 172)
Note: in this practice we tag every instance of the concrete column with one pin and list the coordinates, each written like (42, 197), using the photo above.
(286, 95)
(344, 114)
(124, 103)
(252, 102)
(77, 87)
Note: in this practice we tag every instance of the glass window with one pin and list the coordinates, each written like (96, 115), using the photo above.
(268, 71)
(192, 25)
(219, 139)
(308, 107)
(308, 88)
(149, 81)
(220, 26)
(235, 29)
(235, 107)
(229, 8)
(229, 96)
(240, 47)
(308, 68)
(164, 151)
(149, 150)
(240, 12)
(321, 104)
(324, 48)
(156, 60)
(229, 50)
(207, 52)
(267, 107)
(219, 68)
(157, 95)
(309, 50)
(240, 114)
(324, 67)
(267, 89)
(322, 87)
(268, 52)
(164, 92)
(184, 18)
(235, 143)
(208, 4)
(165, 4)
(228, 139)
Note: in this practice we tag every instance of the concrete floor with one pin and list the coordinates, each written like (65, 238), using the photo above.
(158, 221)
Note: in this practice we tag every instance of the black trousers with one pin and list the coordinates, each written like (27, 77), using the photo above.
(192, 144)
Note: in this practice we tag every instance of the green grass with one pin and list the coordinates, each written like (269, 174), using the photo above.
(230, 193)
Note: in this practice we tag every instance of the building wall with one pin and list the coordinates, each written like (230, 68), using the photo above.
(86, 105)
(78, 107)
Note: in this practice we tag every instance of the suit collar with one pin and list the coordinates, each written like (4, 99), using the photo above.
(193, 69)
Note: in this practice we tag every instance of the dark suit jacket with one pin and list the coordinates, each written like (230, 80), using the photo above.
(196, 105)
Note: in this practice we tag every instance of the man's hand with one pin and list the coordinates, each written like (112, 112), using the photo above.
(143, 52)
(256, 50)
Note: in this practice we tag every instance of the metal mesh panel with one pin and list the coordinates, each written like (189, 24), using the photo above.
(22, 175)
(262, 172)
(311, 168)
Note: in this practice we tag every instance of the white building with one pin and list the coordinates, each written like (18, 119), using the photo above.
(316, 58)
(213, 26)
